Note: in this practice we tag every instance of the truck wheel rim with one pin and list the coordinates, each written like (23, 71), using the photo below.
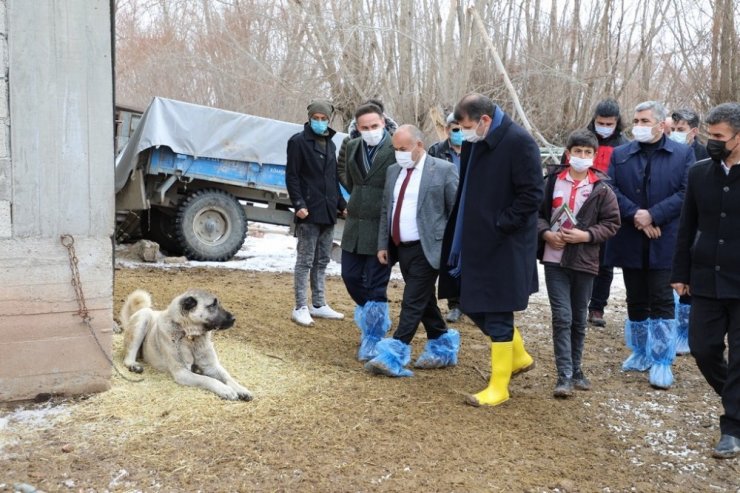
(212, 226)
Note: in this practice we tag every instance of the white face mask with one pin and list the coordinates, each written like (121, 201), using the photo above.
(404, 159)
(642, 134)
(604, 132)
(680, 137)
(471, 134)
(372, 137)
(580, 164)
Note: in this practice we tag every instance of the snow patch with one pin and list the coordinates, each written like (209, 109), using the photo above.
(37, 417)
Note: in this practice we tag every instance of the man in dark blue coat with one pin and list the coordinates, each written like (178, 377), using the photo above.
(707, 266)
(489, 248)
(649, 178)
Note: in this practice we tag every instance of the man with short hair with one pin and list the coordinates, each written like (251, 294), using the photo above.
(313, 186)
(366, 279)
(417, 200)
(707, 266)
(449, 150)
(685, 130)
(648, 176)
(489, 248)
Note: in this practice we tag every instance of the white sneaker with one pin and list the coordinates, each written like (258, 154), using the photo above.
(325, 312)
(301, 316)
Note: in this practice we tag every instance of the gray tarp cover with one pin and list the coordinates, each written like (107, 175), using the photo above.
(207, 132)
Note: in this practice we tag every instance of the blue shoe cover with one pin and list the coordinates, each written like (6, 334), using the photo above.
(662, 350)
(374, 323)
(392, 356)
(359, 316)
(440, 352)
(682, 328)
(636, 335)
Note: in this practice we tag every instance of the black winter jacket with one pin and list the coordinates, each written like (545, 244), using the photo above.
(442, 150)
(706, 256)
(311, 177)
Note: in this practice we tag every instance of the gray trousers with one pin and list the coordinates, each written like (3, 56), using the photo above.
(313, 255)
(569, 292)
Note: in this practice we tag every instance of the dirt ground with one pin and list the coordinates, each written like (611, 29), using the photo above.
(319, 422)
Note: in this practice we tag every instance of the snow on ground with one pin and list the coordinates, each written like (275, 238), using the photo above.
(270, 248)
(21, 417)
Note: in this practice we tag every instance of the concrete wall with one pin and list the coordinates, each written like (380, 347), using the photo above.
(56, 177)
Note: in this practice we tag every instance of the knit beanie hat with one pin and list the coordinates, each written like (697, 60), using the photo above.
(320, 106)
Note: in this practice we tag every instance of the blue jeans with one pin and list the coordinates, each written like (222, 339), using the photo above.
(569, 292)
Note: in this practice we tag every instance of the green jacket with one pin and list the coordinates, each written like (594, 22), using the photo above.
(366, 196)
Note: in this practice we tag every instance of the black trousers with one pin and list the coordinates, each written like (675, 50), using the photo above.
(419, 302)
(649, 294)
(602, 284)
(499, 326)
(365, 278)
(710, 320)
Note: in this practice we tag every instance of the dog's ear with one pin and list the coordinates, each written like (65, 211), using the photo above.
(188, 303)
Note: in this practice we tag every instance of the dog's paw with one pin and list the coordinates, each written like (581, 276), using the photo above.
(136, 368)
(245, 395)
(228, 393)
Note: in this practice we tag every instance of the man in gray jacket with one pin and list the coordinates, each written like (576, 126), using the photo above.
(418, 197)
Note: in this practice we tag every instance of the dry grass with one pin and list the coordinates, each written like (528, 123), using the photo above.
(320, 423)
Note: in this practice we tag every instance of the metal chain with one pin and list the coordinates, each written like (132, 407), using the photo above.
(68, 242)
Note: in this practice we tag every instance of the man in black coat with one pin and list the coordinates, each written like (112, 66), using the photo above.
(489, 248)
(313, 186)
(706, 265)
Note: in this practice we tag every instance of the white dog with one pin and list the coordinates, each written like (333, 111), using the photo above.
(178, 340)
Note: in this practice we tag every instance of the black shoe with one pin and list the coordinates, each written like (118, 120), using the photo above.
(564, 388)
(580, 382)
(596, 318)
(727, 448)
(454, 315)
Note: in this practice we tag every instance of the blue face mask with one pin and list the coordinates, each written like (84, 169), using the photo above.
(456, 138)
(319, 126)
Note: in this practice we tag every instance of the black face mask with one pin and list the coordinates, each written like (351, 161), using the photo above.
(717, 149)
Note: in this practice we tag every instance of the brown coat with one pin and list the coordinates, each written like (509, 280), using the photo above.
(599, 215)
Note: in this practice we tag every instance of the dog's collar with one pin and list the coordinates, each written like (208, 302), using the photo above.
(182, 334)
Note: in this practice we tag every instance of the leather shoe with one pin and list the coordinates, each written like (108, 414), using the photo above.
(727, 448)
(596, 318)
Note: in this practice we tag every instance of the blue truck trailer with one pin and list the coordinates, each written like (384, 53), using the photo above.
(190, 177)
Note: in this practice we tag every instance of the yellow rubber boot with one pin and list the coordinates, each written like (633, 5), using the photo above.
(497, 391)
(522, 361)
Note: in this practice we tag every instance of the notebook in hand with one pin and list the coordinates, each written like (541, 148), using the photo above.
(562, 218)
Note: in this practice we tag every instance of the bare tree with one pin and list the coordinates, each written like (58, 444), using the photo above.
(271, 57)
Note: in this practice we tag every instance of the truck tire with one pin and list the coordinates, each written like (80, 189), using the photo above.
(210, 225)
(159, 226)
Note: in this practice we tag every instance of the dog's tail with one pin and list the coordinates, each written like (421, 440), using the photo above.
(134, 302)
